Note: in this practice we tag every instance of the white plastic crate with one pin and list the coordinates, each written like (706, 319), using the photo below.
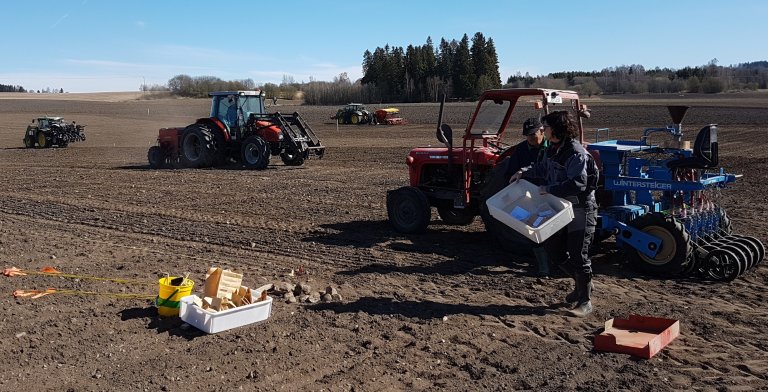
(214, 322)
(514, 201)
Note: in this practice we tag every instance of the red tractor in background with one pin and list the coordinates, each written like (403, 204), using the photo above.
(238, 130)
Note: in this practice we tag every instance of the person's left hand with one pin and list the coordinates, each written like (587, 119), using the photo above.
(543, 190)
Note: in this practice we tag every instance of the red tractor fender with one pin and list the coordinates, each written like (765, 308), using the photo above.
(268, 131)
(215, 125)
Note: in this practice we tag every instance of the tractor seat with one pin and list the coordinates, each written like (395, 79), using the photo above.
(704, 151)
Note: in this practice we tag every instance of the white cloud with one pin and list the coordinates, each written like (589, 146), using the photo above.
(53, 26)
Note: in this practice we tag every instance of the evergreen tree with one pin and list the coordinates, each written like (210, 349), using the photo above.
(492, 66)
(463, 75)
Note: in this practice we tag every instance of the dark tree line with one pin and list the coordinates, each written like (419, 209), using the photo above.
(635, 79)
(420, 73)
(5, 88)
(200, 86)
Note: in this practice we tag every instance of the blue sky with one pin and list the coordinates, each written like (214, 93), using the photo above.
(100, 45)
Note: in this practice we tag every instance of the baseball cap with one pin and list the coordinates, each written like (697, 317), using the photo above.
(530, 126)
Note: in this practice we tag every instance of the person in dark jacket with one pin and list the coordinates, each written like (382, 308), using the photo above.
(524, 155)
(564, 171)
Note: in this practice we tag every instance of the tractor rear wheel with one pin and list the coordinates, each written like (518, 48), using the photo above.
(509, 240)
(456, 217)
(255, 153)
(155, 157)
(676, 248)
(42, 140)
(408, 210)
(355, 118)
(292, 157)
(197, 146)
(29, 141)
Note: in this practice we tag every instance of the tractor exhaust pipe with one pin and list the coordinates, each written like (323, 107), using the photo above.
(444, 132)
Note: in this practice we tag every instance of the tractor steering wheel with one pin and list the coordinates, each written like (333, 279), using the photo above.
(500, 147)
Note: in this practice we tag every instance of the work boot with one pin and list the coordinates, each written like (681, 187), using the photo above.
(584, 305)
(573, 296)
(542, 261)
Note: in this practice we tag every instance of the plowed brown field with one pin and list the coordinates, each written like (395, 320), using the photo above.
(446, 310)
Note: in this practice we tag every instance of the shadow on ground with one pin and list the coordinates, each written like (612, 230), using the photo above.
(429, 309)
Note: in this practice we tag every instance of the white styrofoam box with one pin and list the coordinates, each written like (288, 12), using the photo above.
(213, 322)
(522, 195)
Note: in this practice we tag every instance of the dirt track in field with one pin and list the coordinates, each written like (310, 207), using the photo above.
(445, 310)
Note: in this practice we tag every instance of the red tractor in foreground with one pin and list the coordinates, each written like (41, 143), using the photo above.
(458, 180)
(238, 130)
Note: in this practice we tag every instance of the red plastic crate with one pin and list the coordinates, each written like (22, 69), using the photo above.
(640, 336)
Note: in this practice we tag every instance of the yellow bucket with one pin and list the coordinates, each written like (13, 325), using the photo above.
(168, 299)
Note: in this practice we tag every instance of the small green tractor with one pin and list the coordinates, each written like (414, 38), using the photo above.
(353, 113)
(47, 132)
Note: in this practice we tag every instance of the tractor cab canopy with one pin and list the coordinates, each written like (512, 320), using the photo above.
(233, 108)
(354, 106)
(497, 110)
(45, 122)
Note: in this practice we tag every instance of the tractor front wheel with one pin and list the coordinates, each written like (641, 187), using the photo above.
(29, 141)
(292, 157)
(42, 140)
(408, 210)
(355, 118)
(155, 157)
(676, 248)
(255, 153)
(508, 239)
(457, 217)
(197, 146)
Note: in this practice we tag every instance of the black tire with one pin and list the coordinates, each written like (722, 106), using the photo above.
(724, 265)
(676, 247)
(29, 142)
(292, 157)
(156, 157)
(354, 118)
(757, 246)
(197, 146)
(254, 153)
(457, 217)
(745, 250)
(509, 240)
(725, 222)
(408, 210)
(218, 151)
(42, 140)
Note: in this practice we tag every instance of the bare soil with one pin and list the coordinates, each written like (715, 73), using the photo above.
(446, 310)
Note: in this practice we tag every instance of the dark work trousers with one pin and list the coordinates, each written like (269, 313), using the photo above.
(568, 249)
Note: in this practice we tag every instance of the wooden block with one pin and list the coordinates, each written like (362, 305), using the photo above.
(211, 286)
(228, 283)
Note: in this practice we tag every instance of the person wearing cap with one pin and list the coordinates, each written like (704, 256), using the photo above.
(525, 154)
(564, 170)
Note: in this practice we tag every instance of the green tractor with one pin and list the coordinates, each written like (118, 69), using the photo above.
(353, 113)
(47, 132)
